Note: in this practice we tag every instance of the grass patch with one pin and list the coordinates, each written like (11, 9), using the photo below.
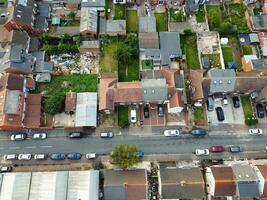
(214, 60)
(200, 16)
(246, 50)
(131, 21)
(109, 61)
(249, 114)
(227, 55)
(131, 73)
(161, 22)
(189, 48)
(199, 115)
(177, 15)
(147, 64)
(71, 23)
(60, 84)
(120, 11)
(214, 16)
(123, 120)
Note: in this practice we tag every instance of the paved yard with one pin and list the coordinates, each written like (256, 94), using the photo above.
(154, 119)
(232, 115)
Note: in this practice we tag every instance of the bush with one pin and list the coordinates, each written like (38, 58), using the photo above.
(54, 103)
(123, 117)
(251, 120)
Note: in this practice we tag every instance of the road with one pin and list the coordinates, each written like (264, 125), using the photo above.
(157, 144)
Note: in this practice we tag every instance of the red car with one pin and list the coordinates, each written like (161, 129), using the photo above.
(217, 149)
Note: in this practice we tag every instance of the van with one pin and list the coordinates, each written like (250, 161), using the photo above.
(197, 132)
(210, 103)
(10, 157)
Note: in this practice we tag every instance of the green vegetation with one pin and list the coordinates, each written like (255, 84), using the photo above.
(227, 55)
(55, 44)
(71, 23)
(227, 18)
(200, 16)
(199, 115)
(131, 21)
(60, 84)
(214, 60)
(189, 48)
(123, 120)
(120, 11)
(246, 50)
(177, 15)
(257, 11)
(249, 114)
(147, 64)
(3, 1)
(161, 21)
(125, 155)
(109, 61)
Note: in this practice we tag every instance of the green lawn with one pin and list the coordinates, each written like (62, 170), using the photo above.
(249, 114)
(177, 15)
(189, 48)
(214, 17)
(227, 55)
(108, 61)
(131, 21)
(214, 60)
(131, 73)
(123, 120)
(60, 84)
(161, 22)
(200, 16)
(3, 1)
(119, 11)
(246, 50)
(199, 115)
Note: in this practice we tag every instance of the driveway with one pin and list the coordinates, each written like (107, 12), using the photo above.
(232, 115)
(154, 119)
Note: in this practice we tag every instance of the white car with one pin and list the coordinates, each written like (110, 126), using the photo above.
(202, 152)
(133, 115)
(40, 156)
(256, 131)
(18, 137)
(39, 136)
(224, 101)
(90, 156)
(24, 156)
(169, 133)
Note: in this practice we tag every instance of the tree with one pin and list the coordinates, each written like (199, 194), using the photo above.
(54, 103)
(188, 32)
(125, 155)
(72, 15)
(227, 28)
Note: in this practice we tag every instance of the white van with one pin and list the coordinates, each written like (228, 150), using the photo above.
(40, 157)
(10, 157)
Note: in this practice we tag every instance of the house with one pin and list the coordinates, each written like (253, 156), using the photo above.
(192, 6)
(148, 40)
(18, 108)
(251, 62)
(116, 27)
(70, 102)
(195, 86)
(263, 43)
(261, 171)
(89, 21)
(150, 55)
(86, 109)
(259, 23)
(90, 46)
(98, 5)
(169, 47)
(247, 181)
(220, 181)
(125, 184)
(41, 66)
(181, 183)
(147, 24)
(154, 90)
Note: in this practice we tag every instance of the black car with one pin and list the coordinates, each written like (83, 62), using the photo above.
(75, 135)
(160, 110)
(260, 111)
(236, 102)
(198, 132)
(220, 114)
(146, 112)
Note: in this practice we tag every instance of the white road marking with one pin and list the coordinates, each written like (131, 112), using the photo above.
(45, 146)
(13, 147)
(30, 147)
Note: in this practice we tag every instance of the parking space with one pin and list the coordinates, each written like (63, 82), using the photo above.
(232, 115)
(153, 119)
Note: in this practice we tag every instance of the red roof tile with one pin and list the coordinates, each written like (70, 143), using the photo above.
(33, 111)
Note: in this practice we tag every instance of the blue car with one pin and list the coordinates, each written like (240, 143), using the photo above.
(74, 156)
(140, 154)
(260, 111)
(57, 156)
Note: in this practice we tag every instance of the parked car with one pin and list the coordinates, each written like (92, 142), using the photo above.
(4, 169)
(140, 154)
(198, 132)
(235, 149)
(171, 133)
(210, 103)
(216, 149)
(108, 134)
(254, 95)
(24, 156)
(220, 114)
(236, 102)
(39, 136)
(133, 114)
(74, 156)
(224, 101)
(160, 110)
(90, 156)
(255, 131)
(75, 135)
(260, 111)
(18, 137)
(202, 152)
(10, 157)
(57, 156)
(40, 156)
(146, 111)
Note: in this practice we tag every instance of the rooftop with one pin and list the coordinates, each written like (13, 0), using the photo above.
(147, 24)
